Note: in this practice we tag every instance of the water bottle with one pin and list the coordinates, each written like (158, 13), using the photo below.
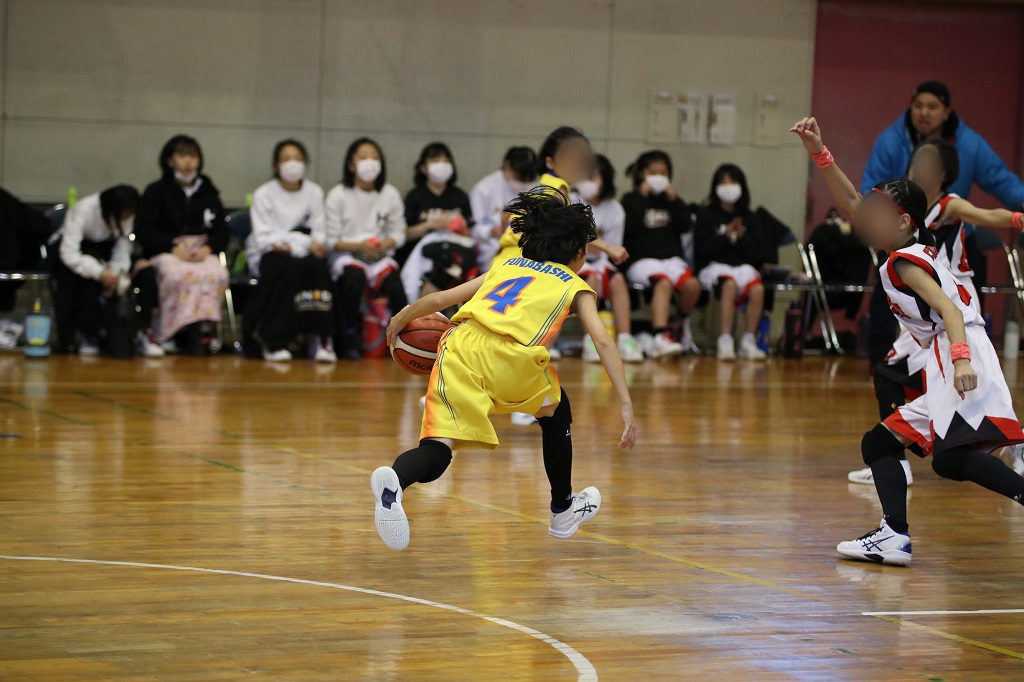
(37, 332)
(72, 196)
(764, 329)
(1011, 339)
(794, 343)
(609, 322)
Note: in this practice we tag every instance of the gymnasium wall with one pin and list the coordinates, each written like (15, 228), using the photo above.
(92, 88)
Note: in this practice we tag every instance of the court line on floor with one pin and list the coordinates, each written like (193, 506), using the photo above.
(584, 668)
(941, 613)
(610, 540)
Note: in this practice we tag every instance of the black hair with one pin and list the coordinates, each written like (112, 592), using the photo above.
(736, 174)
(522, 162)
(551, 228)
(636, 169)
(116, 200)
(179, 144)
(910, 199)
(551, 144)
(433, 150)
(607, 172)
(948, 156)
(290, 142)
(348, 177)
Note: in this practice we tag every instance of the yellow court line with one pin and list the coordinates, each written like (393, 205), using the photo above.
(955, 638)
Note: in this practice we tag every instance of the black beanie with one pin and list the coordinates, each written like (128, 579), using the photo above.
(934, 88)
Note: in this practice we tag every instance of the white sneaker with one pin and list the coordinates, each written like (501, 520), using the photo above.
(170, 346)
(554, 353)
(645, 342)
(147, 346)
(392, 523)
(584, 507)
(1017, 451)
(726, 347)
(283, 355)
(749, 349)
(629, 349)
(88, 349)
(664, 347)
(326, 355)
(523, 419)
(10, 332)
(881, 546)
(867, 478)
(590, 350)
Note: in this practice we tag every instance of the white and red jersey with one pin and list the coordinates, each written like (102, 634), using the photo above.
(950, 238)
(909, 308)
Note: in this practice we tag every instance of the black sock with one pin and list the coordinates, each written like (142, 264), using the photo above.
(557, 438)
(891, 485)
(658, 331)
(990, 472)
(422, 464)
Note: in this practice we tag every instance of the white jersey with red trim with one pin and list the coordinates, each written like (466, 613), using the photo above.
(909, 308)
(950, 238)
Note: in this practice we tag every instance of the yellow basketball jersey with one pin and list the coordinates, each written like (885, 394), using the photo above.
(524, 299)
(508, 237)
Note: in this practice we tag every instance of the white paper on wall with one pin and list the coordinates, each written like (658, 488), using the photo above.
(693, 127)
(768, 124)
(662, 118)
(722, 120)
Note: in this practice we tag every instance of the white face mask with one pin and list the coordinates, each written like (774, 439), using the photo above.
(729, 194)
(368, 170)
(588, 189)
(440, 171)
(185, 179)
(658, 183)
(518, 186)
(292, 171)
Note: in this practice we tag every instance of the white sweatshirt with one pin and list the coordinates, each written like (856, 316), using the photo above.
(610, 218)
(354, 215)
(276, 212)
(84, 222)
(488, 199)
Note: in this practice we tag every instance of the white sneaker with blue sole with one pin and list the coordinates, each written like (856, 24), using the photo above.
(881, 546)
(584, 507)
(392, 523)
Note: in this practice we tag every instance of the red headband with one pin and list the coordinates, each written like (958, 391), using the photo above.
(898, 207)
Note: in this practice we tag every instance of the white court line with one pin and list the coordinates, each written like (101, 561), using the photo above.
(939, 613)
(584, 668)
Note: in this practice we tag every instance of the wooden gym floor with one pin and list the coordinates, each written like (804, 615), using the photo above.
(210, 519)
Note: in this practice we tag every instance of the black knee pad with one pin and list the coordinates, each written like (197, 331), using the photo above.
(950, 463)
(562, 417)
(878, 443)
(438, 449)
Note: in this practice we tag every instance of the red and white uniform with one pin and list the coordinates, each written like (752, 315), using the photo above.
(610, 219)
(939, 419)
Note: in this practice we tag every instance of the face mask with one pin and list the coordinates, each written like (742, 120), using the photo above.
(729, 194)
(439, 172)
(292, 171)
(368, 170)
(658, 183)
(518, 186)
(185, 179)
(588, 189)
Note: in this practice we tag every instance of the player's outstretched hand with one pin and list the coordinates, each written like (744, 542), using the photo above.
(964, 378)
(629, 434)
(809, 133)
(397, 324)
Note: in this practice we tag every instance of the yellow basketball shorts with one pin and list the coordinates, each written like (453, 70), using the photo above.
(479, 373)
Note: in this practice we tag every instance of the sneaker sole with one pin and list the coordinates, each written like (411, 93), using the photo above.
(563, 534)
(890, 558)
(392, 524)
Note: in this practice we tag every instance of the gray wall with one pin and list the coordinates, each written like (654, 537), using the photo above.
(92, 88)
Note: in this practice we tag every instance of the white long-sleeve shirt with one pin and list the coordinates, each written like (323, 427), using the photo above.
(84, 222)
(488, 199)
(276, 212)
(355, 215)
(610, 218)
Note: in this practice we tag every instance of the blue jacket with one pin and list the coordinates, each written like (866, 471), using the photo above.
(978, 163)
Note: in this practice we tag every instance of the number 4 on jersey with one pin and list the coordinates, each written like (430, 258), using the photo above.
(508, 294)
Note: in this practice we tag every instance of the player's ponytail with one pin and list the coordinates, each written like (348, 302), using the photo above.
(550, 228)
(910, 199)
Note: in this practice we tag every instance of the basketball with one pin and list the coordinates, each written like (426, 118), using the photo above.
(415, 349)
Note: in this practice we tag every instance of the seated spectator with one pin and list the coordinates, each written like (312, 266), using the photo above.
(731, 243)
(365, 224)
(181, 228)
(23, 231)
(490, 195)
(843, 259)
(91, 272)
(600, 271)
(656, 219)
(440, 254)
(286, 252)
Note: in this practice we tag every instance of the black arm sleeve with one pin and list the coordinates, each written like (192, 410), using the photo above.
(150, 229)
